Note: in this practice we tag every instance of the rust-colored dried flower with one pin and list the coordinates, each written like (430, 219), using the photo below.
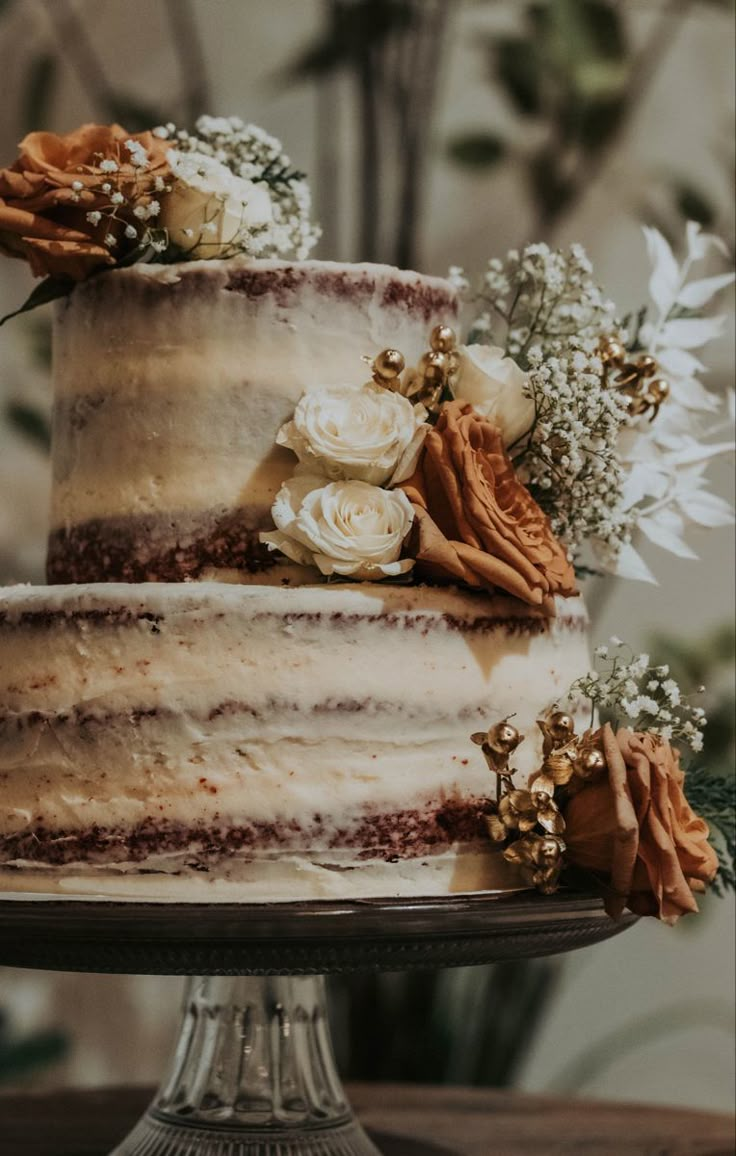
(634, 826)
(475, 521)
(67, 203)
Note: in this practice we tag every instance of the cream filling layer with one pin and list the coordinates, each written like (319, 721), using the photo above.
(263, 880)
(287, 702)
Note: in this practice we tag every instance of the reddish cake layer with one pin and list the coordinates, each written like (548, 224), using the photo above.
(374, 835)
(158, 548)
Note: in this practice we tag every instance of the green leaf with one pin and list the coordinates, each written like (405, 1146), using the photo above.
(551, 187)
(134, 115)
(30, 422)
(50, 289)
(316, 61)
(517, 65)
(18, 1058)
(693, 204)
(144, 250)
(478, 150)
(603, 28)
(37, 96)
(350, 33)
(598, 121)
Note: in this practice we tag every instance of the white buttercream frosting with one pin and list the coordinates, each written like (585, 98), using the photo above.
(312, 709)
(172, 382)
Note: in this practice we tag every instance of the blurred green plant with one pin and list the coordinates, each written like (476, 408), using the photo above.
(20, 1056)
(573, 75)
(77, 51)
(710, 783)
(569, 70)
(471, 1025)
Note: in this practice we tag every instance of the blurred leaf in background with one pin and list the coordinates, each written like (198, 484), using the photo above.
(22, 1056)
(573, 74)
(568, 70)
(470, 1025)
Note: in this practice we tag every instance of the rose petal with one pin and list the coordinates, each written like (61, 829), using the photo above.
(637, 829)
(475, 522)
(43, 219)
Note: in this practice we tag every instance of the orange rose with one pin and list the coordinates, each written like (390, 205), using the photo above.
(475, 522)
(46, 195)
(636, 828)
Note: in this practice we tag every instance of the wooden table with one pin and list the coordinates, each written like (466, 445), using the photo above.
(404, 1120)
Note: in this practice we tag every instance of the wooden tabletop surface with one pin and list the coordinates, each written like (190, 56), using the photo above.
(404, 1121)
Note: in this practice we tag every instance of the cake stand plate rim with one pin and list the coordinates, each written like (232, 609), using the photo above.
(289, 938)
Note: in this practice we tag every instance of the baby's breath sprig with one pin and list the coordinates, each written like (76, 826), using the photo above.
(124, 207)
(626, 688)
(539, 296)
(544, 308)
(254, 155)
(569, 458)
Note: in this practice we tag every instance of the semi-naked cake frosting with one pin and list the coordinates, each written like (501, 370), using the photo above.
(208, 740)
(262, 736)
(171, 383)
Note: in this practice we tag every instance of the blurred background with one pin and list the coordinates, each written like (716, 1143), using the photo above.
(435, 133)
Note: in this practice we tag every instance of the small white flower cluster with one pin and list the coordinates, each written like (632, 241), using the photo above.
(252, 155)
(600, 473)
(540, 296)
(124, 202)
(642, 696)
(549, 314)
(569, 461)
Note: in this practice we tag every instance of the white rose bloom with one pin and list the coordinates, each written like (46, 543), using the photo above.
(495, 387)
(210, 211)
(370, 434)
(349, 528)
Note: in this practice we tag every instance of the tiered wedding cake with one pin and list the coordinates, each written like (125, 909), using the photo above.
(275, 738)
(307, 549)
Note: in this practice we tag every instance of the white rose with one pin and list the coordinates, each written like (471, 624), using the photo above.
(349, 528)
(496, 388)
(210, 211)
(370, 433)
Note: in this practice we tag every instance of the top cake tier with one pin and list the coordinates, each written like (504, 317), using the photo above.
(171, 383)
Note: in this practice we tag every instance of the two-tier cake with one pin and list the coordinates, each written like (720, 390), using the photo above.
(265, 735)
(312, 626)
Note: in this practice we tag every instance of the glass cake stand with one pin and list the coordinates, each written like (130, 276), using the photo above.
(253, 1073)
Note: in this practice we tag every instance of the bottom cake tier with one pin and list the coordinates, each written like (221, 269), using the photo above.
(205, 741)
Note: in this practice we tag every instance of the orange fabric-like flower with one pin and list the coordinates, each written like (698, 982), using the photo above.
(475, 522)
(43, 216)
(635, 826)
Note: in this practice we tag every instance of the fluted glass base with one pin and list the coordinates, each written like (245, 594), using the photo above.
(253, 1074)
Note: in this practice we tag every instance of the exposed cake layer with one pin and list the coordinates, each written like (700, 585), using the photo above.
(171, 383)
(197, 726)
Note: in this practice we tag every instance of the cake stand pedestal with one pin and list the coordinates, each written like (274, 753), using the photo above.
(253, 1072)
